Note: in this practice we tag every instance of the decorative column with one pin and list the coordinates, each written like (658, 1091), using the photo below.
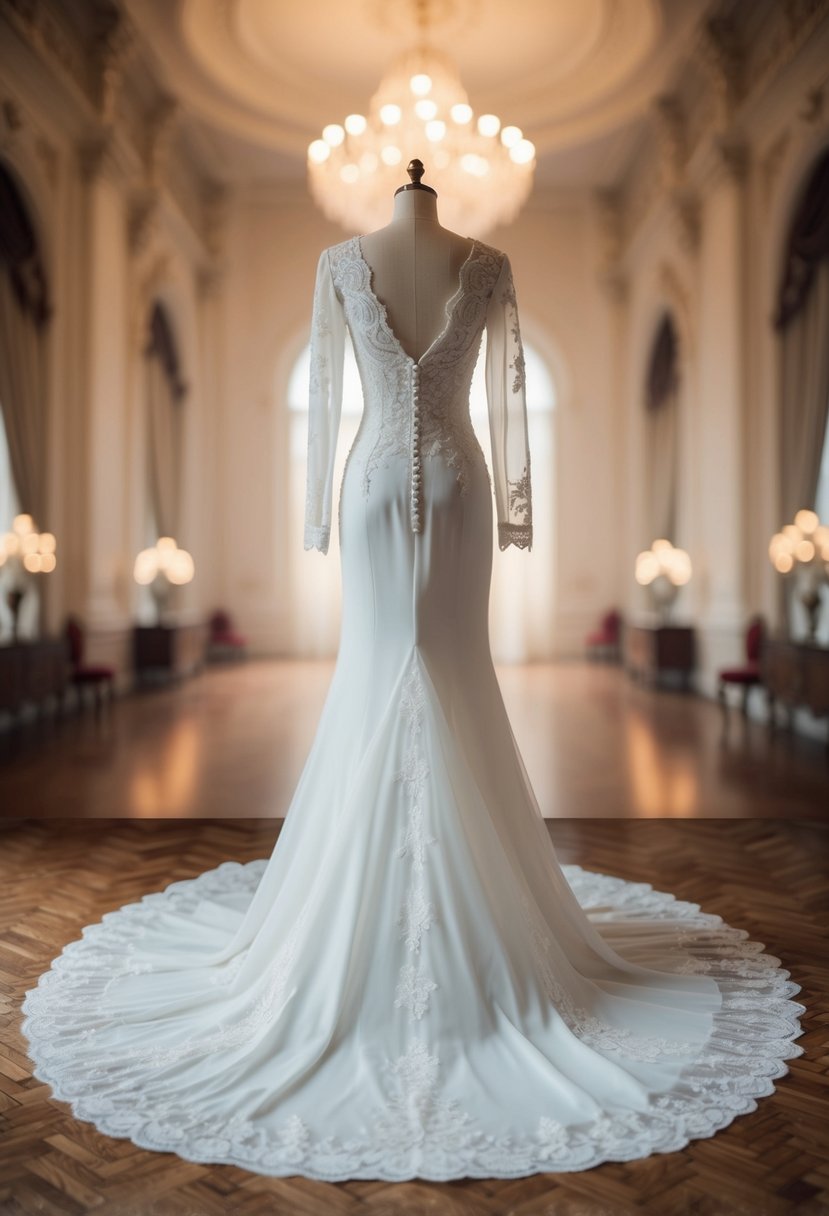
(608, 207)
(722, 408)
(104, 333)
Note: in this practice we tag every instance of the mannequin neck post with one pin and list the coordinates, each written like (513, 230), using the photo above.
(416, 205)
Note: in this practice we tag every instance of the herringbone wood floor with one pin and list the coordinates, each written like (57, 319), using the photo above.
(768, 877)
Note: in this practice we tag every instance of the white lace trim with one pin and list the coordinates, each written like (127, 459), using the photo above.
(417, 1131)
(418, 913)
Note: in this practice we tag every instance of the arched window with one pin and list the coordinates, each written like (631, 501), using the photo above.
(662, 435)
(24, 313)
(521, 601)
(165, 394)
(802, 322)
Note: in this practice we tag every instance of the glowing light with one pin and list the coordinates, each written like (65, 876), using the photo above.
(353, 169)
(489, 124)
(318, 151)
(426, 109)
(807, 521)
(355, 124)
(390, 114)
(420, 84)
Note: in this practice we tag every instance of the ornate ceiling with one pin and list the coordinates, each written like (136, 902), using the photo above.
(258, 79)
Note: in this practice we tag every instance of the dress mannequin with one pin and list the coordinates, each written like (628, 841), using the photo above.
(415, 264)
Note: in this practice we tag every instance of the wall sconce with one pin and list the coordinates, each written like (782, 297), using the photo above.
(801, 550)
(24, 552)
(663, 570)
(162, 567)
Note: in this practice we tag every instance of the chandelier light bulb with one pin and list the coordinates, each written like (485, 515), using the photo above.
(510, 136)
(355, 124)
(391, 155)
(807, 521)
(390, 114)
(435, 130)
(333, 134)
(420, 84)
(461, 113)
(425, 108)
(523, 153)
(318, 151)
(489, 124)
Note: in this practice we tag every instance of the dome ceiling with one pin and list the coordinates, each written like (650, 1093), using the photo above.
(263, 77)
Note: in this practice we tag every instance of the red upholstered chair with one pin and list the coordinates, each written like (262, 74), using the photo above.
(749, 675)
(224, 642)
(96, 676)
(604, 642)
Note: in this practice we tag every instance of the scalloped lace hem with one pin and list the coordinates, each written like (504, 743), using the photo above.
(418, 1133)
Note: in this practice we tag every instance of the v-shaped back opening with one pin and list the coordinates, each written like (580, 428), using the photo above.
(448, 308)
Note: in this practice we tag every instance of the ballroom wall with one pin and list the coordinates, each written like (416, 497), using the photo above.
(128, 215)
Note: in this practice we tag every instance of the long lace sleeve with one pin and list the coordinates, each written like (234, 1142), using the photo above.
(507, 402)
(324, 405)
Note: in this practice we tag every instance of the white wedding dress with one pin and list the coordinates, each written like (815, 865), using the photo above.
(412, 986)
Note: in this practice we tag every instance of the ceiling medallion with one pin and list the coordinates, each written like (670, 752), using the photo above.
(482, 170)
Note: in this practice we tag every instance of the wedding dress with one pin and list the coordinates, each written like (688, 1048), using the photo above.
(412, 986)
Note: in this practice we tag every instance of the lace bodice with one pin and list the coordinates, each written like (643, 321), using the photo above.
(417, 408)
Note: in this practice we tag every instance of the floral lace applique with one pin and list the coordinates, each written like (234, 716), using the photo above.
(445, 371)
(418, 913)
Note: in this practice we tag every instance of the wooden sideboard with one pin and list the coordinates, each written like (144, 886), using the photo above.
(168, 651)
(652, 651)
(795, 675)
(31, 672)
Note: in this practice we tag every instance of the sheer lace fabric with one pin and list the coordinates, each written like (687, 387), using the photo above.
(412, 986)
(416, 410)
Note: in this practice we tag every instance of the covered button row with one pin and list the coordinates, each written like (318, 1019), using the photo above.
(416, 463)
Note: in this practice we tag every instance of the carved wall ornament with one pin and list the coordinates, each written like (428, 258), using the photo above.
(47, 154)
(671, 135)
(160, 131)
(144, 220)
(686, 214)
(38, 27)
(732, 157)
(719, 50)
(116, 40)
(772, 162)
(12, 116)
(96, 156)
(811, 109)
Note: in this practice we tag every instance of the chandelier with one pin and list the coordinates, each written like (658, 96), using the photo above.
(482, 170)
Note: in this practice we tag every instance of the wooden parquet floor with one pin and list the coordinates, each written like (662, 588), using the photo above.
(769, 877)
